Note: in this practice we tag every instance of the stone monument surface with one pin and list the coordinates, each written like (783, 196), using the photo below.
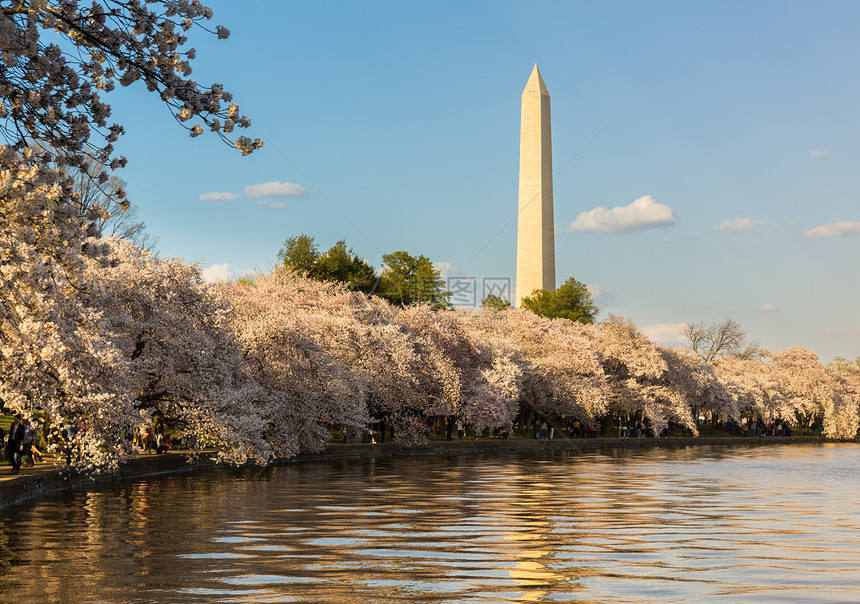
(535, 224)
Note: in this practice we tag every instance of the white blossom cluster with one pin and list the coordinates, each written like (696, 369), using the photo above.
(370, 361)
(262, 370)
(62, 344)
(177, 354)
(61, 57)
(134, 336)
(46, 335)
(100, 335)
(794, 383)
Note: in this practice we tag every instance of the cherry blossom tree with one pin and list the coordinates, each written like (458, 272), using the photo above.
(183, 362)
(262, 368)
(479, 385)
(755, 386)
(141, 336)
(453, 355)
(806, 386)
(794, 386)
(843, 421)
(53, 86)
(494, 400)
(284, 324)
(637, 373)
(59, 59)
(399, 366)
(44, 252)
(697, 384)
(557, 365)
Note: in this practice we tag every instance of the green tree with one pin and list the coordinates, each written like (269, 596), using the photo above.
(571, 300)
(494, 302)
(410, 279)
(339, 263)
(344, 265)
(844, 360)
(301, 254)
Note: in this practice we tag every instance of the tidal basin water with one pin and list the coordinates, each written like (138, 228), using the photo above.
(763, 524)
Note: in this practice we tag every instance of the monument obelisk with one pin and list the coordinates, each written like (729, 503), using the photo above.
(535, 227)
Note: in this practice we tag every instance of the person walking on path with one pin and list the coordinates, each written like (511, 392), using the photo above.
(159, 433)
(14, 446)
(28, 443)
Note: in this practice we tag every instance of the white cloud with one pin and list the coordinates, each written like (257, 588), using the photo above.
(275, 188)
(665, 333)
(834, 229)
(594, 289)
(691, 236)
(600, 296)
(738, 224)
(766, 308)
(825, 154)
(218, 196)
(445, 268)
(217, 272)
(644, 213)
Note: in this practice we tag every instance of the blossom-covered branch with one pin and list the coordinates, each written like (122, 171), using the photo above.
(53, 93)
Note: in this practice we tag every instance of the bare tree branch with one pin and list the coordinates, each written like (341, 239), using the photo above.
(720, 340)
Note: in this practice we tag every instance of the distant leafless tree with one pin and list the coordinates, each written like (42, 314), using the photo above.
(116, 216)
(720, 340)
(125, 223)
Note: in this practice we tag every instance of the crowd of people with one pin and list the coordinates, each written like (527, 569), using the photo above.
(20, 446)
(773, 427)
(150, 437)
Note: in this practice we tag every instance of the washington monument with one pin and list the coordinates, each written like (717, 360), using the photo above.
(535, 227)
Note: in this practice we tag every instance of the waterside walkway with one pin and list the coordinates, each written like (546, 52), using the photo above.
(46, 479)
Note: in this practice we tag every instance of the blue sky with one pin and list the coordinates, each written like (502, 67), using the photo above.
(395, 126)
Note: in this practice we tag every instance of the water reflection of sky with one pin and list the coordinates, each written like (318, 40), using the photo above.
(767, 523)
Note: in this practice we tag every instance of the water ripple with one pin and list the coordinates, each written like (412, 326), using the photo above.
(774, 524)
